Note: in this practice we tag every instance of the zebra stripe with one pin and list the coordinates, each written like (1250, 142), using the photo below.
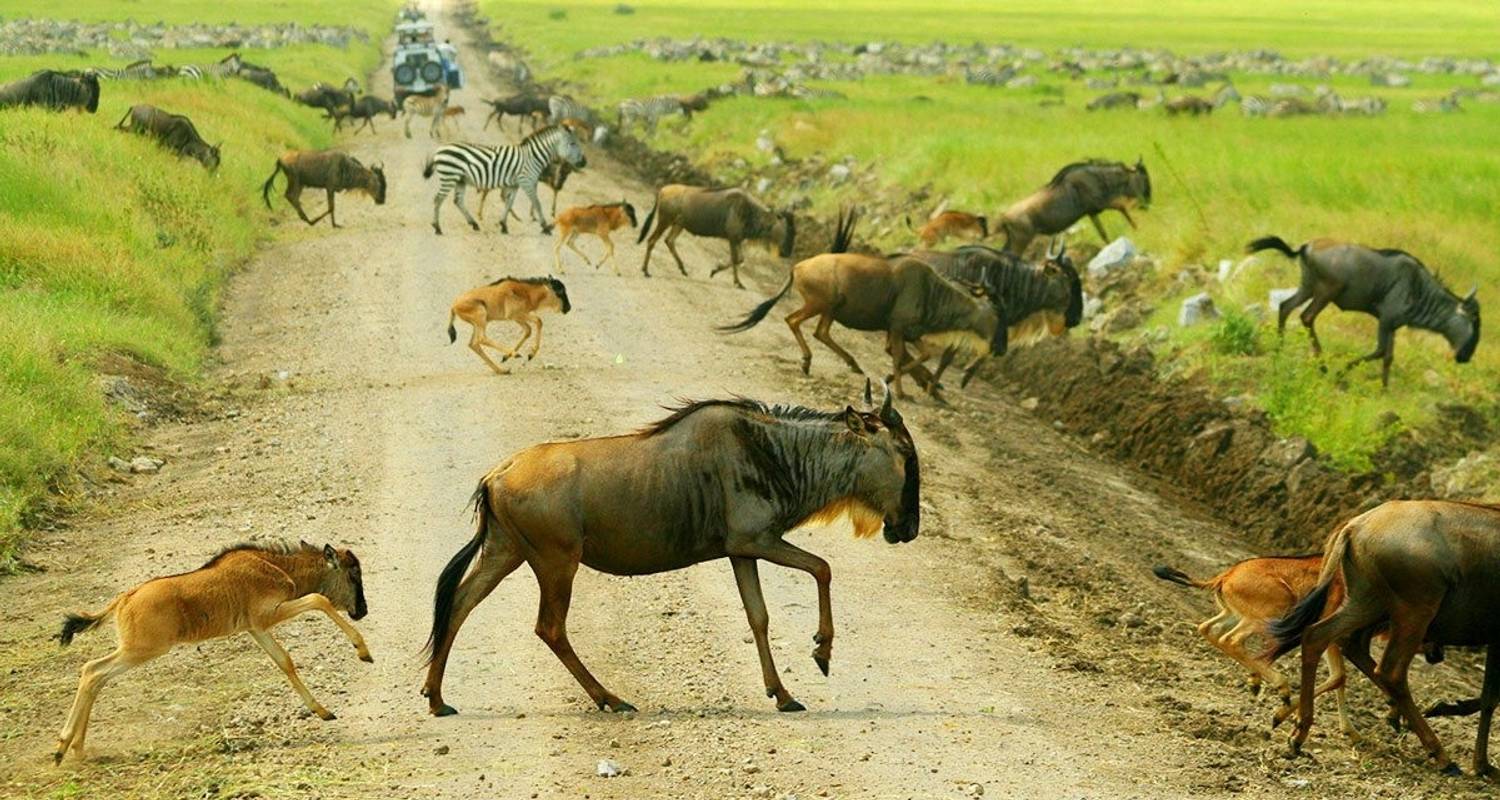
(461, 166)
(561, 107)
(985, 76)
(139, 71)
(222, 69)
(650, 110)
(1255, 105)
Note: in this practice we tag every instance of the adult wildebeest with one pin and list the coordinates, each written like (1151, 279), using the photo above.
(324, 169)
(522, 106)
(364, 109)
(1115, 100)
(718, 213)
(53, 90)
(173, 131)
(248, 587)
(1188, 104)
(329, 98)
(515, 299)
(1033, 300)
(1082, 189)
(902, 296)
(1428, 571)
(715, 479)
(1391, 285)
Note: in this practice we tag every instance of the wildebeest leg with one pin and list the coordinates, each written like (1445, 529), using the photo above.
(672, 248)
(1232, 643)
(1336, 683)
(794, 321)
(557, 251)
(284, 661)
(650, 243)
(294, 196)
(408, 124)
(609, 252)
(498, 558)
(478, 341)
(1408, 627)
(94, 675)
(791, 556)
(525, 334)
(458, 200)
(333, 220)
(734, 263)
(1489, 697)
(1304, 293)
(1350, 618)
(555, 578)
(1124, 211)
(536, 344)
(747, 577)
(1099, 226)
(1310, 316)
(569, 242)
(317, 602)
(1385, 350)
(824, 334)
(895, 344)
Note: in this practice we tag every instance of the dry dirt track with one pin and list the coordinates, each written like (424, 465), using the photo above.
(946, 674)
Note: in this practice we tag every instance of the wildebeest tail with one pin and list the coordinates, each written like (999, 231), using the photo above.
(1274, 243)
(453, 573)
(452, 331)
(650, 215)
(1286, 633)
(74, 624)
(265, 189)
(843, 232)
(1177, 576)
(759, 312)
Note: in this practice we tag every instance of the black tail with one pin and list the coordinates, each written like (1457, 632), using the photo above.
(265, 189)
(1287, 631)
(448, 580)
(427, 168)
(843, 232)
(452, 333)
(984, 228)
(74, 624)
(759, 312)
(645, 229)
(1174, 575)
(1275, 243)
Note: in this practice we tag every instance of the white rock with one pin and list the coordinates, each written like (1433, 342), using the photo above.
(1226, 270)
(601, 134)
(608, 769)
(764, 142)
(1092, 306)
(119, 464)
(1116, 254)
(145, 464)
(1276, 297)
(1021, 82)
(762, 185)
(1196, 309)
(838, 173)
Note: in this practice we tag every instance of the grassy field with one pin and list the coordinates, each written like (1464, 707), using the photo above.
(1423, 183)
(111, 246)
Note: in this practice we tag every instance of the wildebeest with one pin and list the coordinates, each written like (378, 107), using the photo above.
(953, 223)
(715, 479)
(1085, 188)
(1115, 100)
(248, 587)
(730, 214)
(521, 105)
(53, 90)
(329, 170)
(173, 131)
(598, 220)
(262, 77)
(1391, 285)
(1188, 104)
(1426, 570)
(329, 98)
(1033, 300)
(516, 299)
(903, 297)
(365, 109)
(1250, 595)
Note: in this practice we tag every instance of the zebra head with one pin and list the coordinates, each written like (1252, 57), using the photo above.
(567, 148)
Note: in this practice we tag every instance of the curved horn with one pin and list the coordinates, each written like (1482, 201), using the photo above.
(869, 401)
(1055, 248)
(885, 405)
(1472, 292)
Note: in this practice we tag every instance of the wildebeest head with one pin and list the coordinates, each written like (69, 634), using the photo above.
(785, 229)
(1140, 182)
(1057, 262)
(559, 295)
(342, 582)
(378, 191)
(206, 154)
(629, 213)
(90, 83)
(1463, 332)
(887, 474)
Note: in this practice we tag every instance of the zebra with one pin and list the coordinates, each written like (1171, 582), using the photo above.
(460, 166)
(650, 110)
(230, 65)
(1255, 105)
(561, 107)
(138, 71)
(986, 76)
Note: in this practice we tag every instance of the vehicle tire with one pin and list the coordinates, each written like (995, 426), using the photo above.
(432, 72)
(405, 74)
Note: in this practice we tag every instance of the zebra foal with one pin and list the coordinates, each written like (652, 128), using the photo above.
(461, 166)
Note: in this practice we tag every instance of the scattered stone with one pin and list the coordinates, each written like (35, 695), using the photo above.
(667, 762)
(1278, 296)
(1471, 477)
(974, 790)
(119, 464)
(442, 750)
(764, 142)
(1115, 255)
(1031, 403)
(608, 769)
(1130, 619)
(762, 185)
(839, 173)
(1092, 306)
(1196, 309)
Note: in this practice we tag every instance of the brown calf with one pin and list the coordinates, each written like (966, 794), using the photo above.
(953, 223)
(450, 117)
(515, 299)
(598, 220)
(248, 587)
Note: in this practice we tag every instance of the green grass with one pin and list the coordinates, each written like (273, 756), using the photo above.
(110, 245)
(1422, 183)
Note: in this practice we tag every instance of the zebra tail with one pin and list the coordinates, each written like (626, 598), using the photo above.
(427, 168)
(265, 189)
(646, 228)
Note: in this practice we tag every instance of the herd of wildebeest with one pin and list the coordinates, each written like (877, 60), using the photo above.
(1421, 575)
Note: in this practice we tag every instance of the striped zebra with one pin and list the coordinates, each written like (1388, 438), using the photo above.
(561, 107)
(461, 166)
(650, 110)
(142, 70)
(1256, 105)
(230, 65)
(986, 76)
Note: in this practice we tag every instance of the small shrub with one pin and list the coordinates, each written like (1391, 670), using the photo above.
(557, 14)
(1235, 335)
(623, 9)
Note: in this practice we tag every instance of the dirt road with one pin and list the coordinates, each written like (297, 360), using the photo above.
(1019, 647)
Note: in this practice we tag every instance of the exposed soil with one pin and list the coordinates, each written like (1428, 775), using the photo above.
(1019, 647)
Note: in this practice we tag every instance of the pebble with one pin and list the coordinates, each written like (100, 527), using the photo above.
(608, 769)
(442, 750)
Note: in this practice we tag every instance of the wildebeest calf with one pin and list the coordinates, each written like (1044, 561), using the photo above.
(173, 131)
(516, 299)
(364, 109)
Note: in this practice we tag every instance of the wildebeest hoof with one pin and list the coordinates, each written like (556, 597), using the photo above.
(1452, 770)
(530, 356)
(790, 706)
(739, 285)
(444, 710)
(327, 716)
(822, 663)
(617, 707)
(367, 658)
(807, 367)
(437, 230)
(474, 225)
(58, 756)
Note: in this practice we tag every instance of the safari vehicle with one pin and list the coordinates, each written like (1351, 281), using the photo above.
(420, 63)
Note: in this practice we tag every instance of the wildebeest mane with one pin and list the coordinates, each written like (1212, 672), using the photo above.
(543, 281)
(1088, 164)
(278, 547)
(787, 413)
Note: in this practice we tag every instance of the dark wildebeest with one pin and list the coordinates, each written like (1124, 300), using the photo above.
(248, 587)
(902, 296)
(1115, 100)
(1188, 104)
(324, 169)
(173, 131)
(1426, 570)
(718, 213)
(328, 98)
(1391, 285)
(1083, 189)
(262, 77)
(57, 91)
(522, 106)
(716, 478)
(365, 109)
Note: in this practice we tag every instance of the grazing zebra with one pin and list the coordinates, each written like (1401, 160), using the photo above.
(1255, 105)
(229, 65)
(561, 107)
(460, 166)
(139, 71)
(650, 110)
(986, 76)
(1441, 105)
